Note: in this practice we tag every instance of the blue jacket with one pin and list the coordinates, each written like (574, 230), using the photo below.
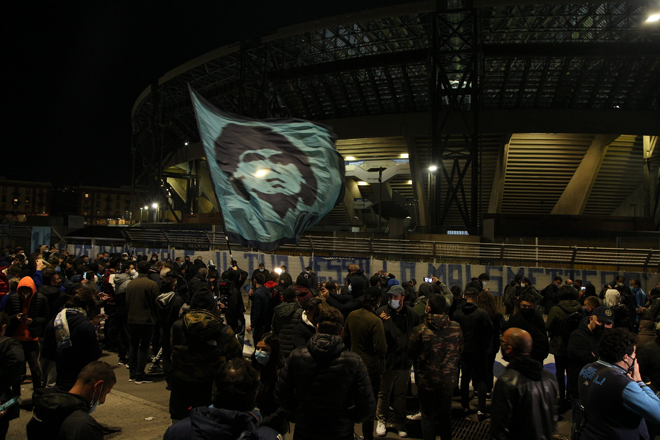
(206, 423)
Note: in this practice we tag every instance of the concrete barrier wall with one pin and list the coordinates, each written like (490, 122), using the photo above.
(335, 269)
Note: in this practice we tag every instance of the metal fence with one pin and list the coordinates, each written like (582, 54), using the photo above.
(445, 251)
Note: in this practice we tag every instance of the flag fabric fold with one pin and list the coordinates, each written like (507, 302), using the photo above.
(273, 178)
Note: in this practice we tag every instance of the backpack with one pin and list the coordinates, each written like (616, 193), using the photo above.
(568, 324)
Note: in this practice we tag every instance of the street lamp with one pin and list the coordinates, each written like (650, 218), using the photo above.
(155, 206)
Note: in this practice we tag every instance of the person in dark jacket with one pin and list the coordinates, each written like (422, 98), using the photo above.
(201, 343)
(307, 325)
(12, 368)
(141, 296)
(121, 281)
(323, 386)
(187, 291)
(479, 283)
(477, 329)
(262, 270)
(524, 403)
(648, 357)
(511, 294)
(364, 334)
(302, 288)
(646, 332)
(285, 318)
(231, 302)
(487, 302)
(70, 339)
(169, 305)
(259, 314)
(530, 319)
(51, 289)
(28, 316)
(526, 287)
(233, 413)
(435, 351)
(617, 403)
(398, 321)
(652, 311)
(351, 302)
(551, 295)
(567, 305)
(268, 361)
(66, 415)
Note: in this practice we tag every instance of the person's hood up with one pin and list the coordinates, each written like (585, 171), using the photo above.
(121, 278)
(199, 264)
(270, 284)
(287, 309)
(203, 299)
(202, 324)
(303, 280)
(527, 366)
(215, 423)
(425, 289)
(52, 404)
(436, 322)
(164, 300)
(27, 282)
(469, 308)
(569, 305)
(358, 286)
(324, 347)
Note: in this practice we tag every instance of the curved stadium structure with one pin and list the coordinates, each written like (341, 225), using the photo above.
(549, 107)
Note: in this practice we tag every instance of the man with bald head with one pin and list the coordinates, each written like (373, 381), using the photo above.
(525, 396)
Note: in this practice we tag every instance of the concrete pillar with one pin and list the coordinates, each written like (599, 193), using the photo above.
(418, 182)
(352, 192)
(574, 199)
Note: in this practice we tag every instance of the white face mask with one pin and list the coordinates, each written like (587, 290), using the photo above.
(394, 304)
(261, 270)
(483, 283)
(133, 272)
(95, 402)
(350, 288)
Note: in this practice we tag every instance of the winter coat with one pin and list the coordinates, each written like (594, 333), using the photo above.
(364, 334)
(85, 347)
(52, 294)
(344, 303)
(219, 424)
(168, 307)
(550, 297)
(285, 318)
(398, 327)
(38, 310)
(648, 358)
(141, 296)
(259, 314)
(121, 284)
(535, 326)
(325, 368)
(524, 402)
(645, 336)
(552, 324)
(434, 350)
(12, 368)
(582, 350)
(474, 284)
(59, 415)
(302, 332)
(530, 289)
(477, 328)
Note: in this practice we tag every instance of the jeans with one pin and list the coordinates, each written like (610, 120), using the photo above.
(368, 425)
(473, 366)
(435, 405)
(32, 350)
(393, 382)
(139, 354)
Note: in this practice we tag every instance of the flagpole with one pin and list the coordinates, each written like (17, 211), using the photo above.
(224, 231)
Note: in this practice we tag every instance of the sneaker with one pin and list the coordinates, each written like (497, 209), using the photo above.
(381, 429)
(481, 416)
(417, 416)
(402, 431)
(131, 380)
(122, 362)
(489, 396)
(143, 381)
(155, 369)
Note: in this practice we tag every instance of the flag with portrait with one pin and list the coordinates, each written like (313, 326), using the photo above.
(273, 178)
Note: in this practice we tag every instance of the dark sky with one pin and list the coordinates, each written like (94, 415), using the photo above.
(71, 73)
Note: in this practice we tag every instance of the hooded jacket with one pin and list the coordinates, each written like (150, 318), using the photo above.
(325, 368)
(141, 296)
(477, 328)
(207, 423)
(285, 318)
(552, 324)
(398, 327)
(302, 332)
(38, 310)
(435, 351)
(364, 334)
(59, 415)
(582, 350)
(121, 284)
(524, 402)
(168, 307)
(535, 326)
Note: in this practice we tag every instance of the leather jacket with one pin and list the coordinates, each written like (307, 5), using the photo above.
(525, 402)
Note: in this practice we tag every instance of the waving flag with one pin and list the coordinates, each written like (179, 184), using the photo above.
(273, 178)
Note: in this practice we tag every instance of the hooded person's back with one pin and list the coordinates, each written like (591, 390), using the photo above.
(219, 424)
(58, 414)
(286, 317)
(476, 326)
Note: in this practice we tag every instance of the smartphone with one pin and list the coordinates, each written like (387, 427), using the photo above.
(428, 280)
(11, 402)
(583, 288)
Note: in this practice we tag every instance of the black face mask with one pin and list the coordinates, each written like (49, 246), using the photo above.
(527, 313)
(631, 367)
(598, 331)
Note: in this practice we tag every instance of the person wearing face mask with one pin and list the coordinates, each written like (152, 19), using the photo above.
(398, 321)
(61, 414)
(479, 284)
(617, 403)
(530, 319)
(525, 395)
(652, 309)
(262, 270)
(268, 361)
(526, 287)
(583, 349)
(364, 334)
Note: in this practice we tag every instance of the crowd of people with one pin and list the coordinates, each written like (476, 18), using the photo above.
(322, 357)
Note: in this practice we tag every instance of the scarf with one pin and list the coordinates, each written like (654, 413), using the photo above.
(62, 334)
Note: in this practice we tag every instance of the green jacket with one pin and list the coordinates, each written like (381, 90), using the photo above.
(552, 324)
(435, 351)
(364, 334)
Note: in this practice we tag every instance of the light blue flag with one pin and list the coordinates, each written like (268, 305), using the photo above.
(273, 178)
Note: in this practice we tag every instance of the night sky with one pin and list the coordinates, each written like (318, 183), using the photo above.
(72, 72)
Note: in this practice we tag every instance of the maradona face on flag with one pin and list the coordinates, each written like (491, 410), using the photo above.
(273, 178)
